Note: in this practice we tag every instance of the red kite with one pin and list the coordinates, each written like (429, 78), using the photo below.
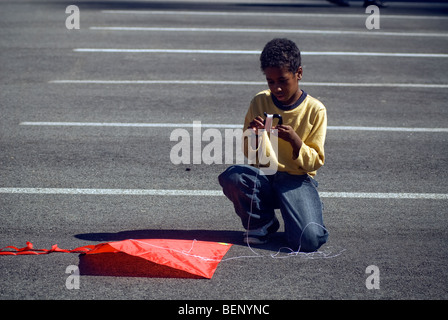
(29, 249)
(144, 257)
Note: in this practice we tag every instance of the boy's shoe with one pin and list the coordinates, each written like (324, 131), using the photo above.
(261, 235)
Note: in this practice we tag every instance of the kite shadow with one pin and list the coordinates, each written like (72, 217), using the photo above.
(227, 236)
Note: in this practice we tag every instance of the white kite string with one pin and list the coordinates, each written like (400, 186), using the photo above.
(318, 254)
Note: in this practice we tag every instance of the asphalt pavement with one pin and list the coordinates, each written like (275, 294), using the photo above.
(89, 110)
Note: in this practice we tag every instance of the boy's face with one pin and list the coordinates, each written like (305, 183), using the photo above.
(284, 84)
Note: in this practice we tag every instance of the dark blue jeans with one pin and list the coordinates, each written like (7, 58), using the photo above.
(255, 197)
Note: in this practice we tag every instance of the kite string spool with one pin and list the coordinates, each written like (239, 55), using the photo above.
(268, 122)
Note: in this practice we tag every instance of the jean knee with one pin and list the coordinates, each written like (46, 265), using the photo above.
(228, 177)
(310, 239)
(236, 175)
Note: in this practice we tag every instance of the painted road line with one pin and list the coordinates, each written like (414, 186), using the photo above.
(255, 52)
(251, 83)
(396, 129)
(267, 14)
(135, 192)
(182, 82)
(279, 31)
(178, 192)
(134, 125)
(211, 125)
(203, 51)
(381, 195)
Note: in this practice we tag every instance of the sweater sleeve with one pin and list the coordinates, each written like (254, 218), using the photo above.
(311, 155)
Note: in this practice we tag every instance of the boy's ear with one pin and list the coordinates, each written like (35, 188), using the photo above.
(299, 73)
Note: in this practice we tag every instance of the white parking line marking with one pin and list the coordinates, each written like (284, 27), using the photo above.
(107, 50)
(137, 125)
(135, 192)
(268, 14)
(381, 195)
(280, 31)
(195, 82)
(399, 129)
(252, 83)
(173, 192)
(211, 125)
(255, 52)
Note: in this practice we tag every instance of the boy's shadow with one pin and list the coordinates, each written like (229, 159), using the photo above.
(227, 236)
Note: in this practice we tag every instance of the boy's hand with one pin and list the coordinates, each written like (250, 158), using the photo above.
(288, 134)
(257, 123)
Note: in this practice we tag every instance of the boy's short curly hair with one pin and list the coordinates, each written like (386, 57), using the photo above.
(281, 52)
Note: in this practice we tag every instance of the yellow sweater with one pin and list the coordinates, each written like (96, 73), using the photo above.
(309, 121)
